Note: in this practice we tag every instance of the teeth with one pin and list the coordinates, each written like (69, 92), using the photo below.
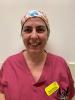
(34, 44)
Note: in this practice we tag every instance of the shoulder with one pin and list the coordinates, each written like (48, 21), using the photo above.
(14, 57)
(56, 58)
(12, 60)
(58, 62)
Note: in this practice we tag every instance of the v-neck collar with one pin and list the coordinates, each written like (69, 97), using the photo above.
(42, 78)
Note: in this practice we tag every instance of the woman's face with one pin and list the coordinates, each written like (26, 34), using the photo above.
(34, 34)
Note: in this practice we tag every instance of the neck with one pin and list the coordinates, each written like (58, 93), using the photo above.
(35, 58)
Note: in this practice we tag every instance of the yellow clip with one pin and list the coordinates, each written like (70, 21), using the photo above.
(51, 88)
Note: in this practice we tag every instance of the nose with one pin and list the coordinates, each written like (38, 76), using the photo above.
(34, 34)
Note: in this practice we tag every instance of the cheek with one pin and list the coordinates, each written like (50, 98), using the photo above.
(44, 38)
(24, 38)
(43, 41)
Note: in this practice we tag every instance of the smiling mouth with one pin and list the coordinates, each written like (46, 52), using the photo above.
(36, 44)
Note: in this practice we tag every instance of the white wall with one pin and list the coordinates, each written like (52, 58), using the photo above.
(61, 14)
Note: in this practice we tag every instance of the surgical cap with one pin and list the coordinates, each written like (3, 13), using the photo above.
(35, 13)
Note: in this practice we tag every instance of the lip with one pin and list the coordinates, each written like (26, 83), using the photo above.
(34, 45)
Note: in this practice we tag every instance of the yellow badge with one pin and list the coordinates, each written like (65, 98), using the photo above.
(51, 88)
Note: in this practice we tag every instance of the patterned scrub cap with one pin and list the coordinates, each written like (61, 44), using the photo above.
(35, 13)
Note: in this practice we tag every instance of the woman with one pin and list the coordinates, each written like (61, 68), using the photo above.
(34, 74)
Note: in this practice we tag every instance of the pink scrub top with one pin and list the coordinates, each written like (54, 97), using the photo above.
(17, 82)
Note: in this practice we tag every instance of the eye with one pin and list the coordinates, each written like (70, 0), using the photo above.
(27, 29)
(40, 29)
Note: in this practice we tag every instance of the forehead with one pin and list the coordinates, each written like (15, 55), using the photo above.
(34, 22)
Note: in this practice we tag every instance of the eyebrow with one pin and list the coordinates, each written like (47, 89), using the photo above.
(27, 26)
(43, 26)
(36, 26)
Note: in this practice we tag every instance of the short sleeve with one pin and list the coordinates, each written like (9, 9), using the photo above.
(71, 83)
(68, 80)
(3, 82)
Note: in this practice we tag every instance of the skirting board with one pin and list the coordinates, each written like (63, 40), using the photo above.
(72, 68)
